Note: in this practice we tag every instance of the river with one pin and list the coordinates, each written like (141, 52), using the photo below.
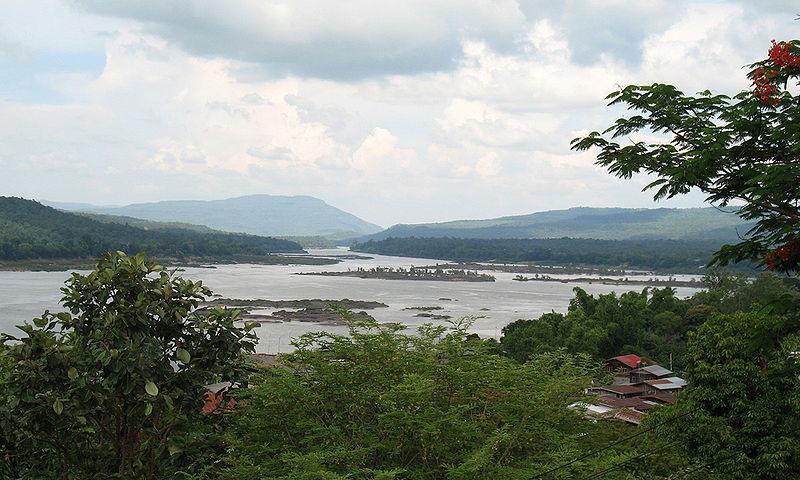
(24, 295)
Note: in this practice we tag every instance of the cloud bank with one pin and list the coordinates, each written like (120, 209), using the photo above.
(398, 112)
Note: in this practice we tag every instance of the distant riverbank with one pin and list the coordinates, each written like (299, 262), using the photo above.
(63, 264)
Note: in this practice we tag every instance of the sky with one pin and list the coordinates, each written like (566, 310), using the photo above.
(398, 112)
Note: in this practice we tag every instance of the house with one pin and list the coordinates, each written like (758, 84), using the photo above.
(636, 389)
(662, 386)
(623, 363)
(650, 372)
(619, 391)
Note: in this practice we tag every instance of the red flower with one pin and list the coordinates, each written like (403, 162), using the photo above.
(770, 260)
(782, 56)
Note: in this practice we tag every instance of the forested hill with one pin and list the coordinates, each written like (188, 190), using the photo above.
(661, 255)
(30, 230)
(273, 215)
(584, 222)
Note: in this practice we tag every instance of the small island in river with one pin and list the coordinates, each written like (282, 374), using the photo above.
(323, 312)
(650, 282)
(413, 273)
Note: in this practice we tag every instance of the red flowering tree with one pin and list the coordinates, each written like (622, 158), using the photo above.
(742, 151)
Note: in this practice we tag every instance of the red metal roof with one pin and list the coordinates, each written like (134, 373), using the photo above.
(630, 360)
(629, 416)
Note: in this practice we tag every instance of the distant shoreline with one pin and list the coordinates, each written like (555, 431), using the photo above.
(65, 264)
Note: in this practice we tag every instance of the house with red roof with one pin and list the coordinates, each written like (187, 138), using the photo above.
(637, 388)
(623, 363)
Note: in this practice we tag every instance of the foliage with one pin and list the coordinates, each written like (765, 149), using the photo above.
(741, 149)
(31, 230)
(741, 414)
(664, 255)
(653, 323)
(106, 389)
(383, 404)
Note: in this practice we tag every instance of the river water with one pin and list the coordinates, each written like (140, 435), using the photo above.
(24, 295)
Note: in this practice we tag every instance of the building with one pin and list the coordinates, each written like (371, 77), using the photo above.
(623, 363)
(619, 390)
(650, 372)
(637, 388)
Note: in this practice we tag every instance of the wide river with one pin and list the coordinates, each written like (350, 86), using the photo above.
(24, 295)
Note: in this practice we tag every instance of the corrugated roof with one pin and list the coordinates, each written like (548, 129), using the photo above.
(630, 416)
(656, 370)
(659, 398)
(630, 360)
(619, 388)
(665, 384)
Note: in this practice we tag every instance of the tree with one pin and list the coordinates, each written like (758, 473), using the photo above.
(738, 416)
(379, 403)
(741, 149)
(106, 387)
(741, 414)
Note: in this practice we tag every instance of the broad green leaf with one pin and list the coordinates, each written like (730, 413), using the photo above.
(148, 409)
(72, 373)
(39, 322)
(58, 407)
(151, 388)
(183, 355)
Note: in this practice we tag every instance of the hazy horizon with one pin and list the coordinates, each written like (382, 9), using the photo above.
(395, 113)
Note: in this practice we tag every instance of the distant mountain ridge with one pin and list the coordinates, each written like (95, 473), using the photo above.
(271, 215)
(587, 222)
(30, 230)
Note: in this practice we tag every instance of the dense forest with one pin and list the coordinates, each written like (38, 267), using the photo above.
(29, 230)
(661, 255)
(585, 222)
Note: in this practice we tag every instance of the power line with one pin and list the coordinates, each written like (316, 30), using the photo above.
(705, 465)
(637, 457)
(610, 445)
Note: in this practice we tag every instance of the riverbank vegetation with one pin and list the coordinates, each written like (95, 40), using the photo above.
(651, 255)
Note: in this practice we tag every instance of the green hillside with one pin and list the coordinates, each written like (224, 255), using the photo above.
(584, 222)
(30, 230)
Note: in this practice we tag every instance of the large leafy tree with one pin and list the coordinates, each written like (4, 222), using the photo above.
(106, 387)
(741, 151)
(738, 417)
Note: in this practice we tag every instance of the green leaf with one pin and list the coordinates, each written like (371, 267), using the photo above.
(58, 407)
(151, 388)
(148, 409)
(183, 355)
(174, 449)
(40, 322)
(72, 373)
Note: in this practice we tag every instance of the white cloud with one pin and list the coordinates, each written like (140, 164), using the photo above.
(380, 154)
(474, 106)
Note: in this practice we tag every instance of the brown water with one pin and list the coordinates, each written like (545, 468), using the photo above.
(24, 295)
